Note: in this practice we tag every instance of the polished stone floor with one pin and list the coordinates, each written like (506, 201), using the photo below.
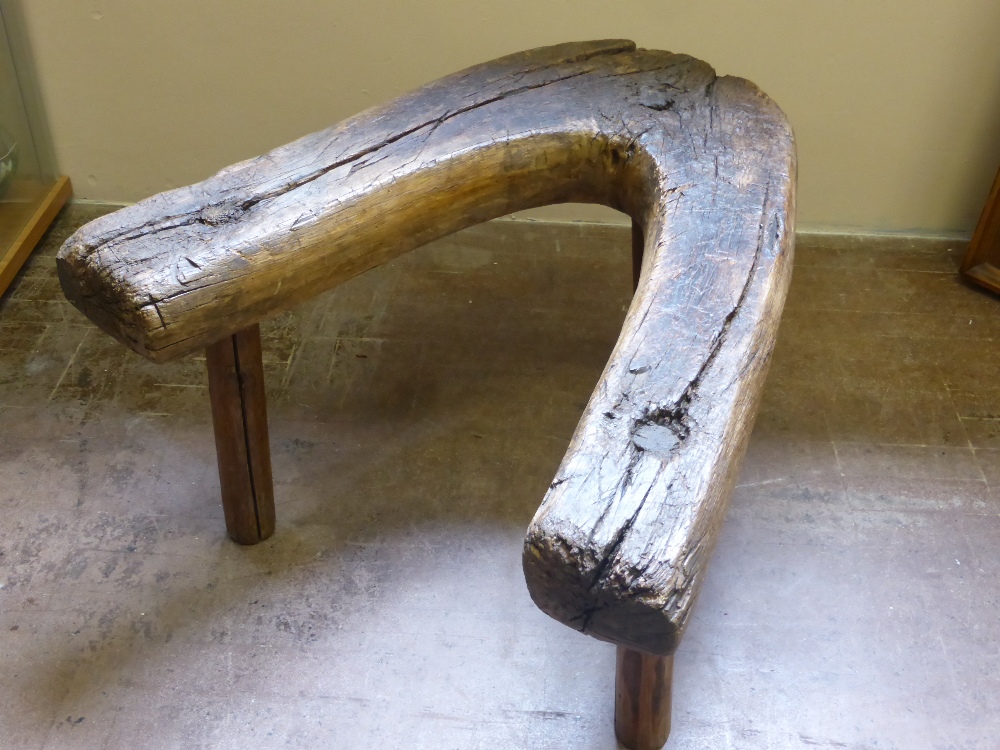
(418, 413)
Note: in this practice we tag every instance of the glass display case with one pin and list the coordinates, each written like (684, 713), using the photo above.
(29, 196)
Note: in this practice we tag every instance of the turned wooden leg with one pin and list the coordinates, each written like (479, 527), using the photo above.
(642, 699)
(637, 243)
(239, 414)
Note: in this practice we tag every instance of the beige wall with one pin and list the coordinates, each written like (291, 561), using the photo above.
(895, 103)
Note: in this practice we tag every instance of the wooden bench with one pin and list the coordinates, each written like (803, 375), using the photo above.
(704, 165)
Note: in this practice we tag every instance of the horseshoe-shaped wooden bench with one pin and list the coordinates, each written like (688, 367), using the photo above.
(704, 165)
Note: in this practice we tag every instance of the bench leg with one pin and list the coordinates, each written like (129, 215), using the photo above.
(643, 681)
(239, 415)
(642, 699)
(637, 243)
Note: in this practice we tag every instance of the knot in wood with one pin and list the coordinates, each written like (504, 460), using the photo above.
(659, 99)
(662, 428)
(224, 213)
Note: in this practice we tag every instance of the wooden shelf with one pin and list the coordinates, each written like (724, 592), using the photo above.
(32, 232)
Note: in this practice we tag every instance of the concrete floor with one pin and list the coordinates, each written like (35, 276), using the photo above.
(417, 415)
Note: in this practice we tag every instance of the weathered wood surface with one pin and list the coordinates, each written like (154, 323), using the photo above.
(704, 164)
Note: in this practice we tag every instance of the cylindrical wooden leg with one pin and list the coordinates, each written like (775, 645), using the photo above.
(638, 236)
(239, 414)
(642, 699)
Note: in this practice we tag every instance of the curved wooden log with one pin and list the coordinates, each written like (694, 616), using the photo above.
(705, 165)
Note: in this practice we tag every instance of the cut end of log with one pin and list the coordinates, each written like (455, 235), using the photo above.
(107, 312)
(569, 589)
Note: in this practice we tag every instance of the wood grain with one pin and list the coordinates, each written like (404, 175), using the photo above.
(705, 165)
(239, 416)
(643, 693)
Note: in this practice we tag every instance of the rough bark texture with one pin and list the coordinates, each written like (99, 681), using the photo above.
(705, 165)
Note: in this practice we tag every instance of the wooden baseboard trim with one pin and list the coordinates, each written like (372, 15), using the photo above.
(985, 275)
(982, 262)
(25, 242)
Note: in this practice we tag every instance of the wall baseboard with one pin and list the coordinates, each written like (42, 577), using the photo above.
(111, 205)
(818, 233)
(599, 216)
